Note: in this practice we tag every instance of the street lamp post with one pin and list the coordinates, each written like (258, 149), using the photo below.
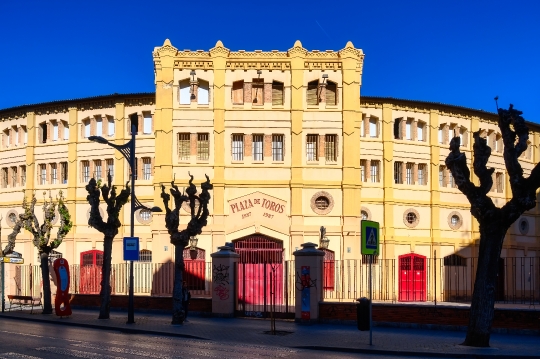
(128, 151)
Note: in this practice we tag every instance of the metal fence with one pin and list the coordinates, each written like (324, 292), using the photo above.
(155, 279)
(440, 279)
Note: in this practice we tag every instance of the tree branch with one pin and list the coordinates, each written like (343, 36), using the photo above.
(95, 220)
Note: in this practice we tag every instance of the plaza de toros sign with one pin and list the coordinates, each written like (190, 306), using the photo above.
(257, 207)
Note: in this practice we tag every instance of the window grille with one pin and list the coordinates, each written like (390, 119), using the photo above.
(110, 167)
(277, 147)
(375, 170)
(277, 93)
(311, 147)
(43, 174)
(409, 173)
(183, 146)
(54, 173)
(398, 172)
(64, 172)
(330, 148)
(331, 93)
(145, 255)
(97, 169)
(257, 148)
(322, 203)
(145, 214)
(147, 170)
(238, 147)
(422, 178)
(363, 164)
(313, 93)
(203, 147)
(85, 171)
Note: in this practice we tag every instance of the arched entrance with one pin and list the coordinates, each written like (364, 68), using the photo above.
(90, 272)
(412, 278)
(261, 276)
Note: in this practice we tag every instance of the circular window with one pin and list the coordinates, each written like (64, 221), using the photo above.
(144, 216)
(101, 211)
(411, 217)
(455, 220)
(365, 214)
(11, 218)
(322, 202)
(185, 206)
(523, 226)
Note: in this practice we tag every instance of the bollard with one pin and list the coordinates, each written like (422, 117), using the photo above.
(362, 313)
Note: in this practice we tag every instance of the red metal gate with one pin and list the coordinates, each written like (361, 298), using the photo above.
(412, 278)
(329, 272)
(260, 274)
(91, 262)
(194, 268)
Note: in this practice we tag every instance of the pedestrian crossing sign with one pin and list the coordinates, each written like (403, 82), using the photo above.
(369, 237)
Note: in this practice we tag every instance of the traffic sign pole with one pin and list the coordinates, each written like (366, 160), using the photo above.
(370, 300)
(3, 297)
(370, 246)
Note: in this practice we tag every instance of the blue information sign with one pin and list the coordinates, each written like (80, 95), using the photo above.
(131, 248)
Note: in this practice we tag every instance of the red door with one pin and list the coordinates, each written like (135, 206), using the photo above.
(90, 272)
(194, 269)
(412, 278)
(329, 265)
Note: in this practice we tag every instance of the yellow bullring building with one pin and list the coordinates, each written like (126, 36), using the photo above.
(289, 144)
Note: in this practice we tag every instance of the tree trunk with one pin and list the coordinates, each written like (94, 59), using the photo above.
(105, 293)
(44, 264)
(178, 309)
(483, 300)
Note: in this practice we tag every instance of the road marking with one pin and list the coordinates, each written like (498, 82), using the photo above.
(78, 353)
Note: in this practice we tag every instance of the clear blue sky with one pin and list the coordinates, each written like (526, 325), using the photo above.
(455, 52)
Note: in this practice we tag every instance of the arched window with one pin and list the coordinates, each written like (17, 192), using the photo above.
(238, 93)
(185, 92)
(313, 93)
(203, 93)
(145, 255)
(331, 93)
(277, 93)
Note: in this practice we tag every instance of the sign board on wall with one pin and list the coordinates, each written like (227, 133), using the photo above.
(259, 208)
(131, 248)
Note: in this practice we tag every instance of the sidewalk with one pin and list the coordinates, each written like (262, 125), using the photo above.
(330, 337)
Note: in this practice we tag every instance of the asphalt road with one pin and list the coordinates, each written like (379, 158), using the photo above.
(27, 340)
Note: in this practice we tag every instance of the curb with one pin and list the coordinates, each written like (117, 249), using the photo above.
(415, 354)
(106, 327)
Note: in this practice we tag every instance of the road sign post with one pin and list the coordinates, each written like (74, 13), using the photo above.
(370, 246)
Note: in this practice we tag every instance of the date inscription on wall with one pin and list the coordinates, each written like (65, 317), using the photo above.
(257, 206)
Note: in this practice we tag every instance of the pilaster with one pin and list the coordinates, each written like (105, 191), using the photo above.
(73, 166)
(434, 187)
(387, 129)
(30, 154)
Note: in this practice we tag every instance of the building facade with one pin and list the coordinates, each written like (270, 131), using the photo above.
(289, 144)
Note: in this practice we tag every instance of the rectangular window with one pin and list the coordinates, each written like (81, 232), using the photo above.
(238, 93)
(363, 164)
(63, 172)
(257, 92)
(14, 177)
(409, 167)
(440, 134)
(185, 92)
(312, 142)
(42, 174)
(184, 145)
(238, 147)
(147, 168)
(85, 171)
(277, 147)
(330, 144)
(55, 131)
(4, 177)
(110, 126)
(203, 90)
(499, 179)
(54, 174)
(25, 135)
(420, 131)
(398, 129)
(331, 93)
(373, 128)
(398, 172)
(442, 170)
(408, 132)
(422, 178)
(451, 180)
(66, 131)
(277, 93)
(203, 147)
(86, 125)
(23, 175)
(375, 170)
(363, 127)
(257, 147)
(16, 136)
(147, 124)
(110, 167)
(99, 126)
(313, 93)
(97, 170)
(43, 128)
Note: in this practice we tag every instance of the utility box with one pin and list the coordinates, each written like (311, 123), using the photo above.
(362, 313)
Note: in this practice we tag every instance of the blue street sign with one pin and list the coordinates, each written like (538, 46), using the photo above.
(131, 248)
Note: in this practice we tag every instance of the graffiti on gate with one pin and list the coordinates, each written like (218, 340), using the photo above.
(220, 274)
(253, 314)
(222, 292)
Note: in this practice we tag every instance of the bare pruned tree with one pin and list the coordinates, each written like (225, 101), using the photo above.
(493, 221)
(180, 239)
(109, 229)
(42, 235)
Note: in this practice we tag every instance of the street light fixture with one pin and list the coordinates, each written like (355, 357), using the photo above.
(128, 151)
